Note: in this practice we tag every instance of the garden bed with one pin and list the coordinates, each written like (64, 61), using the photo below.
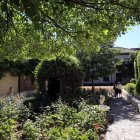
(58, 121)
(81, 119)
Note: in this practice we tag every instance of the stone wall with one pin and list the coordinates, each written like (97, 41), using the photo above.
(131, 99)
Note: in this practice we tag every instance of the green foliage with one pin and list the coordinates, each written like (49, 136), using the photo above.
(127, 67)
(17, 67)
(30, 131)
(137, 66)
(67, 68)
(65, 122)
(135, 69)
(11, 116)
(40, 28)
(58, 121)
(137, 72)
(100, 63)
(8, 129)
(138, 86)
(3, 67)
(131, 88)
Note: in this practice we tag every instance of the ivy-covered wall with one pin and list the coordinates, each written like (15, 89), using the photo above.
(15, 68)
(66, 68)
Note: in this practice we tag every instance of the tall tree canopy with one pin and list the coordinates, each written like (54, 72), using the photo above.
(99, 64)
(38, 28)
(127, 66)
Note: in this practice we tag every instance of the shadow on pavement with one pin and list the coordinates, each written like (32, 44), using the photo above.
(121, 109)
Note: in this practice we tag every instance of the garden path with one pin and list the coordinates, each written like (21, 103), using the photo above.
(126, 125)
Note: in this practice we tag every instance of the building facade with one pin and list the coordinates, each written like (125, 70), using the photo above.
(19, 83)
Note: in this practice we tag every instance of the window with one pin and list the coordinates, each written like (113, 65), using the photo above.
(106, 79)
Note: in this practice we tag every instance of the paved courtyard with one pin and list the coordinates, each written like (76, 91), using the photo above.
(126, 125)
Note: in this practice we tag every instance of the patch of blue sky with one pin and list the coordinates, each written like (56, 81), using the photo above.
(131, 39)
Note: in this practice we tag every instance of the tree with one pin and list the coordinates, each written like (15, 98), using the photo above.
(52, 27)
(137, 66)
(127, 67)
(137, 73)
(98, 64)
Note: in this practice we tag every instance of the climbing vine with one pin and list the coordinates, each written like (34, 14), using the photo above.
(25, 67)
(67, 68)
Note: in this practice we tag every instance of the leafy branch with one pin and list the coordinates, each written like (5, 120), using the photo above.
(57, 25)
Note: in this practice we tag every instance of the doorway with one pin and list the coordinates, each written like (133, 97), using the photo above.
(54, 88)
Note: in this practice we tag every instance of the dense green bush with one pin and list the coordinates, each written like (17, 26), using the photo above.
(137, 66)
(137, 72)
(61, 121)
(11, 117)
(130, 87)
(138, 87)
(67, 68)
(17, 67)
(58, 121)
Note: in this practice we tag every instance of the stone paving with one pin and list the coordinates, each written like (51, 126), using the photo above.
(126, 125)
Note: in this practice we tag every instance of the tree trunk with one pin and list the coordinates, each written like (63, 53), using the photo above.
(19, 83)
(92, 84)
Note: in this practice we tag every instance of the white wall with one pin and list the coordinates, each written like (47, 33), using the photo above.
(123, 56)
(8, 81)
(112, 79)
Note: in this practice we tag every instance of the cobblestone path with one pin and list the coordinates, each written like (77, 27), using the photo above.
(126, 125)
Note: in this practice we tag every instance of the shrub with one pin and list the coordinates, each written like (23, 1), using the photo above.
(12, 118)
(66, 69)
(130, 87)
(30, 131)
(138, 87)
(61, 67)
(93, 96)
(61, 121)
(58, 121)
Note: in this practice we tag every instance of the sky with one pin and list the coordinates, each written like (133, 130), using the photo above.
(131, 39)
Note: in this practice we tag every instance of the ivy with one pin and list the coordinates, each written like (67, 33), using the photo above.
(17, 67)
(58, 121)
(67, 68)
